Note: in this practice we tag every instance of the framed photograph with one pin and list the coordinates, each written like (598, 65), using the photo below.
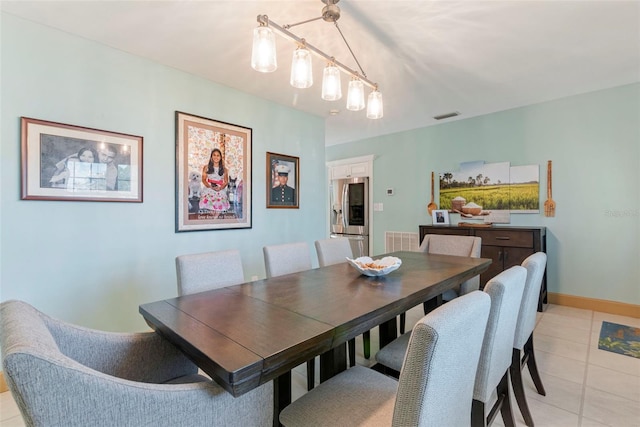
(440, 217)
(67, 162)
(213, 174)
(283, 181)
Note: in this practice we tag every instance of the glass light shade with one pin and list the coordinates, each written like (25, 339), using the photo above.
(331, 86)
(263, 53)
(355, 95)
(301, 76)
(374, 105)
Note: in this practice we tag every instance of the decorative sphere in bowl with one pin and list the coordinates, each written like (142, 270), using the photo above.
(371, 267)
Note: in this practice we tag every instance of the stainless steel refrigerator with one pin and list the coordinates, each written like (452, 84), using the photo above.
(349, 204)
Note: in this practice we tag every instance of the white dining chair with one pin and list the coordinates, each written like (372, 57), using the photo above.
(436, 381)
(523, 353)
(445, 244)
(335, 251)
(284, 259)
(505, 291)
(208, 270)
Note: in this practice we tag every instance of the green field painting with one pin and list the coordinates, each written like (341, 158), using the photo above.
(495, 197)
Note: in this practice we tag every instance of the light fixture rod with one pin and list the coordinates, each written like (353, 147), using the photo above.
(349, 47)
(264, 20)
(300, 23)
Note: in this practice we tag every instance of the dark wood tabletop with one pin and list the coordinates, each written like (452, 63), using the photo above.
(246, 335)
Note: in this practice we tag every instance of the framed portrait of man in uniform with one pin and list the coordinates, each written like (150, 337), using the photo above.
(283, 181)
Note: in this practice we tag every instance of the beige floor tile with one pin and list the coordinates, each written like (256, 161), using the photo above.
(562, 367)
(8, 407)
(551, 416)
(614, 382)
(582, 336)
(609, 409)
(560, 393)
(13, 422)
(562, 321)
(588, 422)
(569, 311)
(617, 362)
(621, 320)
(560, 347)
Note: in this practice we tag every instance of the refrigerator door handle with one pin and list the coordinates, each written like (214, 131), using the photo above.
(345, 205)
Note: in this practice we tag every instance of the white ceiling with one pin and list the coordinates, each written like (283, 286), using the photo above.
(428, 57)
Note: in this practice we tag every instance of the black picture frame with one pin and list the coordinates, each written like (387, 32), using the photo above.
(283, 181)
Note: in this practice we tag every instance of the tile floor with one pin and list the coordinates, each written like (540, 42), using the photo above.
(586, 387)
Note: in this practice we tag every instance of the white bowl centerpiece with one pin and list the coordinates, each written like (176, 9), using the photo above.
(370, 267)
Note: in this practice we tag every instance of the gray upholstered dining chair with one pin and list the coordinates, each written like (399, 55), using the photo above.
(286, 258)
(444, 244)
(290, 258)
(208, 270)
(436, 381)
(506, 291)
(335, 251)
(523, 353)
(67, 375)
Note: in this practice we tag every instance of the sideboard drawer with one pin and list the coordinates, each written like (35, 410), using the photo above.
(517, 239)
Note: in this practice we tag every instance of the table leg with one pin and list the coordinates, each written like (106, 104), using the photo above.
(432, 304)
(333, 362)
(388, 332)
(281, 395)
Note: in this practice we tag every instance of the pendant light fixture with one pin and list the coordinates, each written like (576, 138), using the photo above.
(331, 85)
(263, 54)
(355, 95)
(301, 73)
(263, 59)
(374, 105)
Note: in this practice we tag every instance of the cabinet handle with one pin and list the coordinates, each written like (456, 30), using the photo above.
(506, 255)
(502, 238)
(500, 255)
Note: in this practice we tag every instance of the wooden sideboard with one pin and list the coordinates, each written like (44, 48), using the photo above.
(506, 246)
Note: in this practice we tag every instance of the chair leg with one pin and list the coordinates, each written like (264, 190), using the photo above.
(533, 367)
(352, 352)
(518, 387)
(505, 410)
(366, 344)
(477, 414)
(311, 374)
(403, 321)
(502, 405)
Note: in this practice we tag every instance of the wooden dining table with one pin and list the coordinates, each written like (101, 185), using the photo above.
(246, 335)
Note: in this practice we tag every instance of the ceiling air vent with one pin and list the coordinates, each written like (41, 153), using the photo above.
(447, 115)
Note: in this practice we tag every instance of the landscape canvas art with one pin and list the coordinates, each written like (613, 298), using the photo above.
(491, 191)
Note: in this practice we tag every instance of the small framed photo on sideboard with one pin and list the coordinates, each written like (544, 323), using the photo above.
(440, 217)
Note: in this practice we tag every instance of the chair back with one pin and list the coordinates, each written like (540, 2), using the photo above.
(444, 244)
(333, 251)
(535, 265)
(439, 370)
(286, 258)
(505, 291)
(210, 270)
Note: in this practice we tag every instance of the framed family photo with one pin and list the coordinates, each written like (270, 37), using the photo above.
(283, 181)
(440, 217)
(213, 174)
(68, 162)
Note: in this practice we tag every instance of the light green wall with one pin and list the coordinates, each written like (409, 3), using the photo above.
(94, 263)
(594, 143)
